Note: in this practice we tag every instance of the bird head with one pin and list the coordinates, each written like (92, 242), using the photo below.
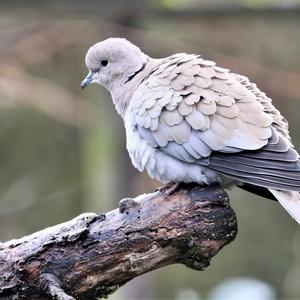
(113, 62)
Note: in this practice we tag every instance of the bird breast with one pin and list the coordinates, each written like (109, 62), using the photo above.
(159, 165)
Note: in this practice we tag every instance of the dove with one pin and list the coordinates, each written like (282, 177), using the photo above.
(188, 120)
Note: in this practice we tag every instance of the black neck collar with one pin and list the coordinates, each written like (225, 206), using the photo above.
(135, 73)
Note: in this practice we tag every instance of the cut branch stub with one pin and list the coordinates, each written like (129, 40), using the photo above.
(91, 256)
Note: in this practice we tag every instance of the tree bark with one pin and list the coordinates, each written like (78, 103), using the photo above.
(93, 255)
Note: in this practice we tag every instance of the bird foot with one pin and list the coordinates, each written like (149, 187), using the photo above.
(168, 188)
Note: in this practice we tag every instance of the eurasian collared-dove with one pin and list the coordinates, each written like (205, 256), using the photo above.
(188, 120)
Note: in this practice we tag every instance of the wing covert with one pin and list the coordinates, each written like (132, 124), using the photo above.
(191, 102)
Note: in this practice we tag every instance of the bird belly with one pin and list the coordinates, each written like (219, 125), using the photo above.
(162, 166)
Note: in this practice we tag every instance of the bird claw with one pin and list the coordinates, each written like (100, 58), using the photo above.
(168, 188)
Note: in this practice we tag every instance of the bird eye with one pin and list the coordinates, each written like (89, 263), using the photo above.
(104, 62)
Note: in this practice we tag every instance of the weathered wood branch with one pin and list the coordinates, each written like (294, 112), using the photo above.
(93, 255)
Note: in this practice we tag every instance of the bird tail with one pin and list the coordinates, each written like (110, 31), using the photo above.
(290, 200)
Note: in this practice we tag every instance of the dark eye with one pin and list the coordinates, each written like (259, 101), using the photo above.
(104, 62)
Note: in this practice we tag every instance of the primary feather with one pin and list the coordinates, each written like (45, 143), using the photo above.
(188, 120)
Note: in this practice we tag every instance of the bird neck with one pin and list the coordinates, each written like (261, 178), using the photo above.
(122, 92)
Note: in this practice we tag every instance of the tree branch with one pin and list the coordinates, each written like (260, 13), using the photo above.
(93, 255)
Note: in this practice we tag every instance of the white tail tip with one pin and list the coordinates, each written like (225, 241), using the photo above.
(290, 201)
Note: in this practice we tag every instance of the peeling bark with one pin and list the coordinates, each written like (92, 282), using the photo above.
(93, 255)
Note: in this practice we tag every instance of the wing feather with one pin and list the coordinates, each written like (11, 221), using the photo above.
(199, 113)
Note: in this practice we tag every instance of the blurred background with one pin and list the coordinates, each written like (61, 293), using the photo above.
(62, 150)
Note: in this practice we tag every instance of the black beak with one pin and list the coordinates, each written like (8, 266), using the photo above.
(87, 80)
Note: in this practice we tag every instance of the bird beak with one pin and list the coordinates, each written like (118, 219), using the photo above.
(87, 80)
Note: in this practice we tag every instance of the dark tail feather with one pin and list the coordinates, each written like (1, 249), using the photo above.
(258, 190)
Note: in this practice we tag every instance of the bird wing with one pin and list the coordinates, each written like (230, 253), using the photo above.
(197, 112)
